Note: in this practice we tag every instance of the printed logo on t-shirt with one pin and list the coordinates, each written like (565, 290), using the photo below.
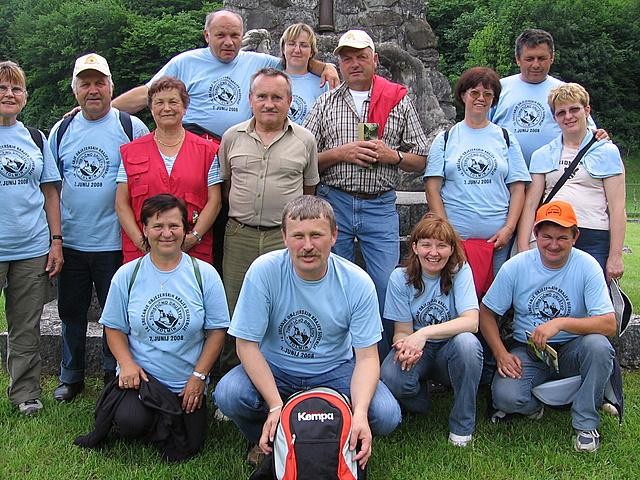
(528, 116)
(225, 93)
(15, 165)
(432, 313)
(298, 109)
(547, 303)
(300, 333)
(165, 317)
(477, 164)
(90, 164)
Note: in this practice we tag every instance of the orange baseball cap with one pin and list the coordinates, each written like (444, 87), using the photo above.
(558, 212)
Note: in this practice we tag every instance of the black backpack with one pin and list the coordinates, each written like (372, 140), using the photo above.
(312, 438)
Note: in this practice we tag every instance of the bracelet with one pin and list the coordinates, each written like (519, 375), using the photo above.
(275, 409)
(201, 376)
(197, 235)
(56, 237)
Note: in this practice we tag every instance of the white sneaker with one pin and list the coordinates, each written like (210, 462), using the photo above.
(30, 407)
(537, 415)
(220, 417)
(459, 440)
(587, 440)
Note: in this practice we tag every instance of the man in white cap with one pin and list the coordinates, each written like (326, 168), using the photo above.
(560, 300)
(86, 148)
(358, 177)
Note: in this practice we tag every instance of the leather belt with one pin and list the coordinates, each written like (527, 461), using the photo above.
(259, 228)
(363, 196)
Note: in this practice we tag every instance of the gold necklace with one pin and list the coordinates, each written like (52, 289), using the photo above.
(155, 136)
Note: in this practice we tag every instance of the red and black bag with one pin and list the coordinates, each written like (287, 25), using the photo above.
(312, 438)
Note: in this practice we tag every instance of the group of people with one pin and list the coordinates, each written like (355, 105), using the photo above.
(255, 160)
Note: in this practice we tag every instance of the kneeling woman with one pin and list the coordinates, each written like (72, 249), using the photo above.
(165, 319)
(433, 303)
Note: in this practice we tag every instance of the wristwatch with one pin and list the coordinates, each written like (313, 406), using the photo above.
(400, 158)
(56, 237)
(197, 235)
(201, 376)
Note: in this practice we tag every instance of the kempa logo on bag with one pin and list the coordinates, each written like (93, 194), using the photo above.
(314, 416)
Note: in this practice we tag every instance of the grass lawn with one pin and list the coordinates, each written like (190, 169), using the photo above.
(632, 176)
(41, 447)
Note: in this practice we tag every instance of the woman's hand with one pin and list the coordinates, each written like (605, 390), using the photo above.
(130, 376)
(501, 238)
(189, 241)
(409, 350)
(192, 394)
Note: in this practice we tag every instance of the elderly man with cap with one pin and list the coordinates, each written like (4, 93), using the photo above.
(86, 148)
(561, 301)
(359, 176)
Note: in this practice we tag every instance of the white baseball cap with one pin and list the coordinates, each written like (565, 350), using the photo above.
(91, 61)
(355, 39)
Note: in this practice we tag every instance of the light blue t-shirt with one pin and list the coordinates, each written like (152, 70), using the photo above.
(306, 88)
(523, 110)
(538, 293)
(165, 316)
(306, 328)
(432, 307)
(24, 232)
(477, 169)
(88, 159)
(213, 176)
(218, 91)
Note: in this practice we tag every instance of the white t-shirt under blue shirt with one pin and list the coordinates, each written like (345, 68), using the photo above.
(88, 159)
(306, 88)
(477, 169)
(539, 294)
(306, 328)
(432, 307)
(218, 91)
(24, 231)
(165, 316)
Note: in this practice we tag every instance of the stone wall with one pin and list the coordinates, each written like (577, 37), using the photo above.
(405, 43)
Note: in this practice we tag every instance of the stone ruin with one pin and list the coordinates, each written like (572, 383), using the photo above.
(405, 43)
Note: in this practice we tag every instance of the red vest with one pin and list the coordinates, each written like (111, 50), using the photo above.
(147, 176)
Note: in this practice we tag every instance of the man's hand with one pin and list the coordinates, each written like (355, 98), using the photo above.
(386, 154)
(269, 431)
(55, 260)
(330, 75)
(362, 153)
(544, 332)
(189, 241)
(360, 432)
(509, 365)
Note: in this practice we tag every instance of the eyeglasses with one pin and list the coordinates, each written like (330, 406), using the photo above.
(300, 45)
(571, 110)
(16, 91)
(475, 94)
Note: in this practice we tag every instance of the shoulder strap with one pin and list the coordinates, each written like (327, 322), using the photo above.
(505, 134)
(569, 170)
(36, 136)
(446, 137)
(196, 272)
(127, 124)
(134, 275)
(61, 131)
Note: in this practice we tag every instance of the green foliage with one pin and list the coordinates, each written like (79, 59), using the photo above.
(597, 45)
(137, 38)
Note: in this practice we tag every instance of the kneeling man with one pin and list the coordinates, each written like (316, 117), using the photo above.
(302, 316)
(560, 296)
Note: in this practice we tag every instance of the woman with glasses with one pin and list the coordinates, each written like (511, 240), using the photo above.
(30, 237)
(476, 174)
(595, 189)
(297, 47)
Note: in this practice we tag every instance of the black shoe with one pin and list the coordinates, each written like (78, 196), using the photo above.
(66, 392)
(108, 376)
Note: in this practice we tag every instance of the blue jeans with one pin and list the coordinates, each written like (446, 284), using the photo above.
(590, 356)
(595, 243)
(81, 271)
(456, 362)
(376, 226)
(238, 399)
